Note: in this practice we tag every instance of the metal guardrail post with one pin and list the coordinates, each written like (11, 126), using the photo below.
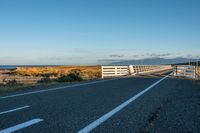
(102, 72)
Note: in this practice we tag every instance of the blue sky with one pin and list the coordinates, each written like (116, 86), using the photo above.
(83, 32)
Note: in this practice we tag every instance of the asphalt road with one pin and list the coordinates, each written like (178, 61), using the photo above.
(165, 105)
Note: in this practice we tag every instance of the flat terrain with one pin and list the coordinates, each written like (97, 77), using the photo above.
(168, 106)
(32, 75)
(29, 78)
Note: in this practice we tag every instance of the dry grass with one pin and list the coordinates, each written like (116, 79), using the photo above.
(198, 75)
(32, 77)
(10, 88)
(4, 88)
(87, 72)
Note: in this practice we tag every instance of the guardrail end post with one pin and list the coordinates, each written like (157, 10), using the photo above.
(102, 77)
(131, 70)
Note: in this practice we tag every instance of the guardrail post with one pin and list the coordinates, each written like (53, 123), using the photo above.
(195, 73)
(174, 70)
(184, 72)
(131, 70)
(102, 76)
(115, 71)
(198, 73)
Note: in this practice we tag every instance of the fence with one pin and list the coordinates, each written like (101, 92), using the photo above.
(115, 71)
(185, 71)
(148, 68)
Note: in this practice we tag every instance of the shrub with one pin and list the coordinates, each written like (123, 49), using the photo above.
(45, 80)
(91, 75)
(12, 82)
(97, 74)
(74, 75)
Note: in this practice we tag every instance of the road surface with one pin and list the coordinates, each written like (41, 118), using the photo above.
(141, 104)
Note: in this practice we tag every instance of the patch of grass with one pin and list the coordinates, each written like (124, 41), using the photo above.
(87, 72)
(16, 87)
(21, 78)
(4, 88)
(74, 75)
(45, 80)
(198, 73)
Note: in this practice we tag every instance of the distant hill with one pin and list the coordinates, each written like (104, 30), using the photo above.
(152, 61)
(187, 63)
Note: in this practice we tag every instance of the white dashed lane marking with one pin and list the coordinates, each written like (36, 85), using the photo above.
(13, 110)
(21, 126)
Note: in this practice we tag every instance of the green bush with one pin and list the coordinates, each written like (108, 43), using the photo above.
(45, 80)
(91, 75)
(74, 75)
(12, 83)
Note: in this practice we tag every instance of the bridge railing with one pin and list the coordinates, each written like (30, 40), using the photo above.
(116, 71)
(185, 71)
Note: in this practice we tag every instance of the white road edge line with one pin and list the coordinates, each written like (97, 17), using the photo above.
(57, 88)
(21, 126)
(12, 110)
(105, 117)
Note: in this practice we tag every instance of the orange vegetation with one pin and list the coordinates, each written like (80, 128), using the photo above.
(87, 72)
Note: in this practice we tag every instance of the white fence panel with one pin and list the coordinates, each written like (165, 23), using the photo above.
(185, 71)
(150, 68)
(115, 71)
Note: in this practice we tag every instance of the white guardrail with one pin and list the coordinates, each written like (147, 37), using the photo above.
(116, 71)
(185, 71)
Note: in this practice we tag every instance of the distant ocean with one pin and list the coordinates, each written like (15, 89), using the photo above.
(10, 67)
(7, 67)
